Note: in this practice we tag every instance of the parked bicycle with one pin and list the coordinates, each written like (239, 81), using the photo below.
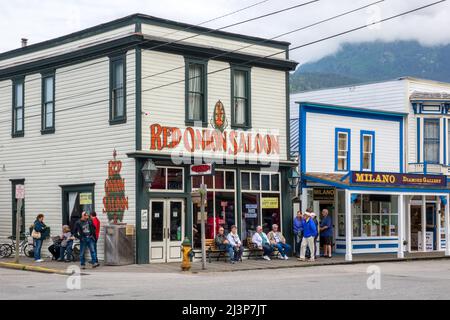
(26, 247)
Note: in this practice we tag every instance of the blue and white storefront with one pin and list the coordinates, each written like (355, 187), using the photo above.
(352, 163)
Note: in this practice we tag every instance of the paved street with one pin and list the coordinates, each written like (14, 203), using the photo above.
(405, 280)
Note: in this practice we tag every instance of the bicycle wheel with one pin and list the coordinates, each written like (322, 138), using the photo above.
(5, 251)
(28, 250)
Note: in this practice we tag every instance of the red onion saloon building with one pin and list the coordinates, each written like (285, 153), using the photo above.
(84, 115)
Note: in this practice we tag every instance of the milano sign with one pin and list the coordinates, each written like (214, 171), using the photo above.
(398, 179)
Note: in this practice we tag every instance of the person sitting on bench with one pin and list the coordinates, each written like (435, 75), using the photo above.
(236, 244)
(222, 243)
(262, 242)
(278, 241)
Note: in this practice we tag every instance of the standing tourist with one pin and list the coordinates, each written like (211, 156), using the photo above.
(38, 234)
(235, 242)
(85, 231)
(298, 232)
(309, 233)
(326, 233)
(96, 223)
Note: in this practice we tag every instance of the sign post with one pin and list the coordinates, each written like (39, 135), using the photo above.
(202, 213)
(20, 195)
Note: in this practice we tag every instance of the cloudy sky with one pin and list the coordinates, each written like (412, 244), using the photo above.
(40, 20)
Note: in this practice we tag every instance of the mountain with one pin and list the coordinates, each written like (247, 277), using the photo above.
(374, 61)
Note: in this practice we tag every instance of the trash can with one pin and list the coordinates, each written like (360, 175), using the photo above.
(119, 245)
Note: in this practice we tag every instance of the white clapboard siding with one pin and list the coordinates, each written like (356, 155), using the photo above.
(68, 47)
(211, 40)
(77, 153)
(320, 142)
(383, 96)
(423, 85)
(166, 105)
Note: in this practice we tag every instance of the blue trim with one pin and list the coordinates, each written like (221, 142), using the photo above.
(340, 246)
(438, 121)
(370, 239)
(336, 143)
(356, 188)
(364, 246)
(361, 143)
(388, 245)
(445, 140)
(306, 107)
(418, 141)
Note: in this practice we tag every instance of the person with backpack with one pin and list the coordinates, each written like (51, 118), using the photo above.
(309, 234)
(85, 232)
(38, 234)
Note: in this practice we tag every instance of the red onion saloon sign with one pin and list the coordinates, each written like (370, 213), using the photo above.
(226, 143)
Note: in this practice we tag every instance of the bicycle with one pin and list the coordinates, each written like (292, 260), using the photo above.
(25, 246)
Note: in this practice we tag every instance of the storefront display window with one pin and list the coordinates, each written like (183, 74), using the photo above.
(261, 202)
(375, 216)
(221, 204)
(168, 179)
(341, 213)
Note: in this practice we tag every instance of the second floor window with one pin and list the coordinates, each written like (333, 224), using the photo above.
(342, 150)
(431, 140)
(196, 92)
(48, 103)
(367, 151)
(118, 90)
(241, 98)
(18, 108)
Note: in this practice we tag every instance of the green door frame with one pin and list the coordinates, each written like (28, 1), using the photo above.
(66, 189)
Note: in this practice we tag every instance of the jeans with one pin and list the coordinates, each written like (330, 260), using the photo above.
(37, 249)
(267, 249)
(283, 248)
(307, 242)
(66, 250)
(227, 247)
(90, 244)
(237, 253)
(298, 242)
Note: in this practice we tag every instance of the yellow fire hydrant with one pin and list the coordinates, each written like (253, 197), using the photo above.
(186, 251)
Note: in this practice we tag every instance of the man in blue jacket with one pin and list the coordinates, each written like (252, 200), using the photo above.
(298, 232)
(309, 234)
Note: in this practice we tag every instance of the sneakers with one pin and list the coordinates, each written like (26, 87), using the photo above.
(95, 265)
(301, 259)
(280, 257)
(266, 258)
(311, 260)
(83, 267)
(286, 258)
(39, 260)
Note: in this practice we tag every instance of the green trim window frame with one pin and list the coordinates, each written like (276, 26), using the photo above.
(14, 183)
(196, 91)
(117, 92)
(48, 103)
(18, 112)
(241, 97)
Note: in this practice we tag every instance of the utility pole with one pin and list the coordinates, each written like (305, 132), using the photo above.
(202, 221)
(20, 195)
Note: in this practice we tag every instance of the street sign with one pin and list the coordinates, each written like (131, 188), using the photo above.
(20, 191)
(206, 169)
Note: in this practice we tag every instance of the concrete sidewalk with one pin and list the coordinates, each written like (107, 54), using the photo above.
(219, 266)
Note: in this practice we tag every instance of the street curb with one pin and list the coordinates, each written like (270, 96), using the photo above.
(310, 265)
(24, 267)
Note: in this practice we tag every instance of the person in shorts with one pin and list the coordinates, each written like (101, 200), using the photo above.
(326, 233)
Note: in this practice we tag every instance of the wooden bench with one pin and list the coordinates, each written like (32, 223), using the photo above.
(253, 250)
(211, 249)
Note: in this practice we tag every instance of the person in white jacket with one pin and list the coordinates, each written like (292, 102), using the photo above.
(235, 242)
(262, 242)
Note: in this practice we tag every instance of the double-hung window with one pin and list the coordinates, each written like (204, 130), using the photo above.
(367, 150)
(196, 92)
(240, 97)
(48, 104)
(342, 149)
(117, 113)
(18, 124)
(431, 140)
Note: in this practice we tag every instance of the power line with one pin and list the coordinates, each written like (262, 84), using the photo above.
(165, 35)
(232, 51)
(291, 49)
